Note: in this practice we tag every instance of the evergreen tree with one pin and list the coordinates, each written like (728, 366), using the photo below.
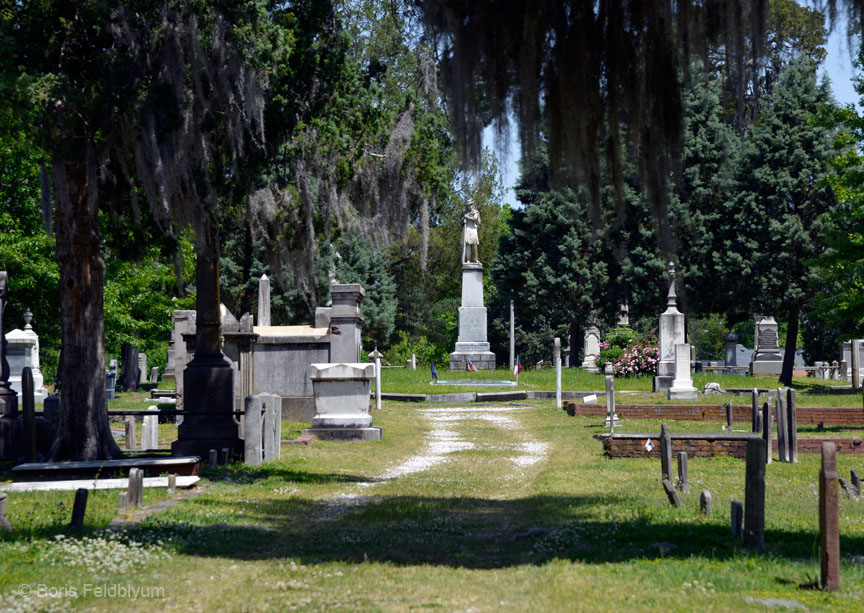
(775, 225)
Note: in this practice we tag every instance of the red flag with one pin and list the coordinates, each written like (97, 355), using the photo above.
(470, 366)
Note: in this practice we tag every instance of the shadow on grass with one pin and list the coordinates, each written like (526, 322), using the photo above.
(474, 533)
(818, 389)
(244, 474)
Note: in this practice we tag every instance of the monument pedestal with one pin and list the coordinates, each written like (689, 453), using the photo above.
(472, 344)
(682, 386)
(342, 402)
(672, 333)
(208, 413)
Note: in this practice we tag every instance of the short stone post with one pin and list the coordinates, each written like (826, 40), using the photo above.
(856, 482)
(150, 429)
(376, 356)
(766, 430)
(413, 363)
(131, 436)
(705, 502)
(792, 424)
(29, 407)
(4, 520)
(829, 518)
(271, 404)
(253, 448)
(172, 484)
(154, 374)
(212, 457)
(665, 452)
(782, 428)
(79, 508)
(856, 365)
(735, 519)
(683, 483)
(754, 495)
(264, 301)
(556, 360)
(51, 408)
(123, 503)
(225, 456)
(135, 489)
(611, 415)
(754, 410)
(729, 417)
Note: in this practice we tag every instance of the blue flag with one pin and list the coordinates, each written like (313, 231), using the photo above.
(434, 373)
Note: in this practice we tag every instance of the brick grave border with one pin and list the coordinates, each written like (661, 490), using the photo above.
(841, 416)
(708, 444)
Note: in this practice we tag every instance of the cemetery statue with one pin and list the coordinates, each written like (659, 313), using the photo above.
(470, 240)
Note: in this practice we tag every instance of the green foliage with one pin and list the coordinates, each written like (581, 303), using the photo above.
(706, 335)
(360, 261)
(400, 352)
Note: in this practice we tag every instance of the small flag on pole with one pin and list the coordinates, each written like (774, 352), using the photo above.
(470, 366)
(434, 372)
(517, 368)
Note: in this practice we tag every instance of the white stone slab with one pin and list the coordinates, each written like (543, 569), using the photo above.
(93, 484)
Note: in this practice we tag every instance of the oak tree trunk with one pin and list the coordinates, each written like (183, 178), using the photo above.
(83, 433)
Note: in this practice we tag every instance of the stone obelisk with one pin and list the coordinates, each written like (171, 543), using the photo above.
(672, 333)
(472, 344)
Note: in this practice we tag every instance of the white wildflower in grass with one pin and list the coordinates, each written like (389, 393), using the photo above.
(31, 603)
(104, 553)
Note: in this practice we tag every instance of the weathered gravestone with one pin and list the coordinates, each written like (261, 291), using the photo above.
(856, 482)
(131, 435)
(671, 494)
(683, 482)
(79, 509)
(736, 518)
(705, 502)
(591, 349)
(4, 521)
(682, 385)
(767, 427)
(665, 453)
(611, 415)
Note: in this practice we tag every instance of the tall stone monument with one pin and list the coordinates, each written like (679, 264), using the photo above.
(672, 332)
(766, 358)
(472, 344)
(22, 351)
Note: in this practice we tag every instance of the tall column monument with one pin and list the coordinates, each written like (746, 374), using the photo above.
(472, 344)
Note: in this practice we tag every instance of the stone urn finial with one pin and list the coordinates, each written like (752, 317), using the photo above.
(671, 298)
(28, 317)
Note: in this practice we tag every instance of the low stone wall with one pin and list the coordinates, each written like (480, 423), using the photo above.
(708, 444)
(710, 412)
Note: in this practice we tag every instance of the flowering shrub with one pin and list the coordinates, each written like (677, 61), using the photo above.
(629, 354)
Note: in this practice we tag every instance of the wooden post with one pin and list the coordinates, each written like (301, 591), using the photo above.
(78, 510)
(754, 495)
(792, 424)
(766, 430)
(829, 518)
(665, 452)
(27, 402)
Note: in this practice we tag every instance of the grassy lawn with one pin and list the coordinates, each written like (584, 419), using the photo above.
(510, 507)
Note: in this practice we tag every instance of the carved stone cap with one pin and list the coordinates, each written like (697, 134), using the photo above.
(472, 266)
